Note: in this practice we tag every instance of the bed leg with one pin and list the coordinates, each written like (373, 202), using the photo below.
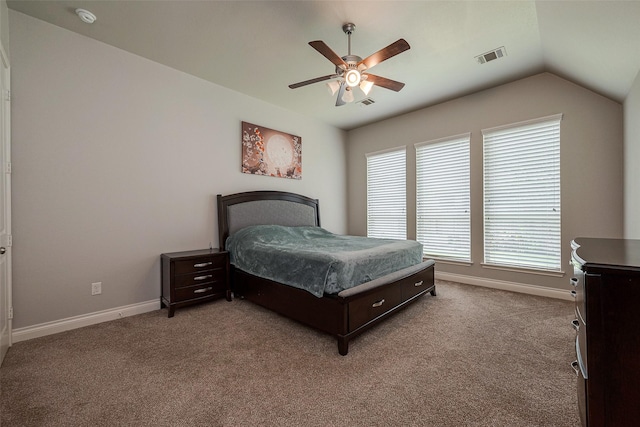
(433, 291)
(343, 345)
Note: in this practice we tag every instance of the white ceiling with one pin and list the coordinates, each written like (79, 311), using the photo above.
(260, 47)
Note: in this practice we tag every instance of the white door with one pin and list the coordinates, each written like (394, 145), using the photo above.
(6, 308)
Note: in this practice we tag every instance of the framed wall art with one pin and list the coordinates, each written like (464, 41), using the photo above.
(270, 152)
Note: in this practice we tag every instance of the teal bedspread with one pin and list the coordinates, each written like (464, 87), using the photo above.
(316, 260)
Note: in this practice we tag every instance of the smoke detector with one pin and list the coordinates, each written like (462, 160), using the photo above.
(491, 55)
(86, 16)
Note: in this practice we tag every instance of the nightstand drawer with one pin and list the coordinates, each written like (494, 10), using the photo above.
(204, 290)
(198, 264)
(199, 278)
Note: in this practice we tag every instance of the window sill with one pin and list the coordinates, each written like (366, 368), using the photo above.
(552, 273)
(448, 261)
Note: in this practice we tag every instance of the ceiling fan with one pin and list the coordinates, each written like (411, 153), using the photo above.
(351, 70)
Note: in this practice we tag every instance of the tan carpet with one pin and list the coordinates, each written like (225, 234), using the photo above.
(470, 356)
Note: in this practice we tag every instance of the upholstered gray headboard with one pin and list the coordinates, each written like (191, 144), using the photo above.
(240, 210)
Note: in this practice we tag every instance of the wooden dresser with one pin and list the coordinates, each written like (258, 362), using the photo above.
(194, 276)
(606, 284)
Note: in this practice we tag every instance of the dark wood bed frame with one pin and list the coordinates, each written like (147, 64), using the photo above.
(344, 315)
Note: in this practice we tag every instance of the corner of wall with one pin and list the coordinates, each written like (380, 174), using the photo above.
(4, 27)
(631, 138)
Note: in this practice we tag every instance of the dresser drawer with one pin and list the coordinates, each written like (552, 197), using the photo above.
(199, 278)
(196, 265)
(582, 399)
(372, 306)
(203, 290)
(578, 292)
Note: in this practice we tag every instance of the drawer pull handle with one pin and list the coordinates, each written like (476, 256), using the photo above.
(418, 284)
(202, 264)
(574, 365)
(574, 294)
(378, 304)
(208, 276)
(576, 324)
(574, 281)
(199, 291)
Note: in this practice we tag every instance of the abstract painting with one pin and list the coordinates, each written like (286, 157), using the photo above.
(270, 152)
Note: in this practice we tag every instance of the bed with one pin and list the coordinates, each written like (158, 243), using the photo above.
(345, 312)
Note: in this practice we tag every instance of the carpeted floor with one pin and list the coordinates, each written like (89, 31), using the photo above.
(470, 356)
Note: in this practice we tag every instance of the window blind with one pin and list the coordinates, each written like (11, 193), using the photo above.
(522, 195)
(387, 195)
(443, 198)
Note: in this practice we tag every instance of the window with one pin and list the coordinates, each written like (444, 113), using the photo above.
(443, 198)
(522, 195)
(387, 194)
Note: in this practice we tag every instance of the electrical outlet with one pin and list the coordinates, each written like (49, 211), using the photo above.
(96, 288)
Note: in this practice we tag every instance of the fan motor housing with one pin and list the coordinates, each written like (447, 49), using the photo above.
(352, 62)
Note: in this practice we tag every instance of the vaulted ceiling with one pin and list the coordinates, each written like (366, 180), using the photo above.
(260, 47)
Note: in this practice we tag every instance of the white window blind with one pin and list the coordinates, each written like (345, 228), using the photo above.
(522, 195)
(387, 195)
(443, 198)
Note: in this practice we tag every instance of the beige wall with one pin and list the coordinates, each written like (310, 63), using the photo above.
(591, 160)
(117, 159)
(4, 26)
(631, 162)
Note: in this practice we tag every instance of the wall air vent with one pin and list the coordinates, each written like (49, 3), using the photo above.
(367, 101)
(491, 55)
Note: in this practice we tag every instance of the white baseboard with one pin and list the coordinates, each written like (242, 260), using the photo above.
(49, 328)
(542, 291)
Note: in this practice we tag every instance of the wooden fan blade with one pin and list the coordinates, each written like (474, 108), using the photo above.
(385, 53)
(316, 80)
(326, 51)
(339, 100)
(384, 82)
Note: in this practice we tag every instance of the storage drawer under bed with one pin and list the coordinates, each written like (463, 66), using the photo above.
(373, 305)
(412, 286)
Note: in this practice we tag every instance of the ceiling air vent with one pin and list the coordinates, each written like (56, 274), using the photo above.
(491, 55)
(367, 101)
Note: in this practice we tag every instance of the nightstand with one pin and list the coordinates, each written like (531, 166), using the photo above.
(192, 277)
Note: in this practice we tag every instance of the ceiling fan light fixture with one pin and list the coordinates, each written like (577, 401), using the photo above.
(366, 86)
(352, 77)
(352, 70)
(348, 95)
(333, 86)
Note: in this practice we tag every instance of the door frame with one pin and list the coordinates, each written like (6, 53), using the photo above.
(6, 311)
